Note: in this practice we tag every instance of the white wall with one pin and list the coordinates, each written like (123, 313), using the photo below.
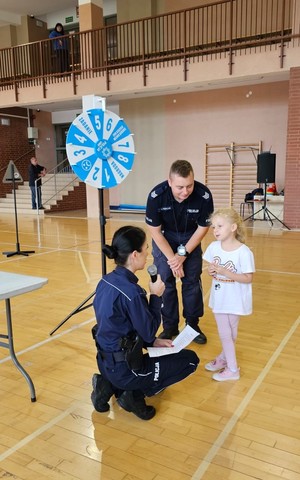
(109, 8)
(145, 118)
(59, 17)
(165, 131)
(68, 116)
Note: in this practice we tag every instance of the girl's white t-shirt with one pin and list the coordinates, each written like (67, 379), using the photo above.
(228, 296)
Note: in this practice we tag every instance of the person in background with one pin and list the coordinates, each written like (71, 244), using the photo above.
(231, 265)
(36, 172)
(60, 48)
(177, 216)
(126, 323)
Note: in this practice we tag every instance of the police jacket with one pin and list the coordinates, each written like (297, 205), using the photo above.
(179, 218)
(121, 307)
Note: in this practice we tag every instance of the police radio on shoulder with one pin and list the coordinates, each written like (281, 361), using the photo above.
(182, 252)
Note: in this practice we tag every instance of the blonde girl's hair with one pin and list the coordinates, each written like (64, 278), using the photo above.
(232, 215)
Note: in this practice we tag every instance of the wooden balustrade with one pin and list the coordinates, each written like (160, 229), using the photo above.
(217, 29)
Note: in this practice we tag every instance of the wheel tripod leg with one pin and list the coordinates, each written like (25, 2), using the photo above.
(18, 252)
(76, 310)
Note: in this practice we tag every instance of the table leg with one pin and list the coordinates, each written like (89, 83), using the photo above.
(10, 346)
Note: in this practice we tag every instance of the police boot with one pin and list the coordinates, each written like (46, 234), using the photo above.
(134, 401)
(102, 391)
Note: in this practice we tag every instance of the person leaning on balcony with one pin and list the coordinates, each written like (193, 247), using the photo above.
(36, 171)
(60, 48)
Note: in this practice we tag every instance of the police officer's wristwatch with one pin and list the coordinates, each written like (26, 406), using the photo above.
(182, 252)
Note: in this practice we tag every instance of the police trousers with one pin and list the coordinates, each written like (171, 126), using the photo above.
(156, 373)
(191, 288)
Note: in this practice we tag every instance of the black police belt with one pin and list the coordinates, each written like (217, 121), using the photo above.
(113, 356)
(131, 353)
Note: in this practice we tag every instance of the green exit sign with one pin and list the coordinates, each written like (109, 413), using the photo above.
(68, 19)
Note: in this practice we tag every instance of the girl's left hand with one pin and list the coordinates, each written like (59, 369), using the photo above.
(212, 269)
(162, 342)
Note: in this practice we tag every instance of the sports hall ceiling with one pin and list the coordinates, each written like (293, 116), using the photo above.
(32, 7)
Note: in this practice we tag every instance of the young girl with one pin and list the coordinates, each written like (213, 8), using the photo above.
(231, 264)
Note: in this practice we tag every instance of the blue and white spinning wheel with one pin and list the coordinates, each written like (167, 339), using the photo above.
(100, 148)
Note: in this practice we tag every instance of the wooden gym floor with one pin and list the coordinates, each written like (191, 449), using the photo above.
(203, 429)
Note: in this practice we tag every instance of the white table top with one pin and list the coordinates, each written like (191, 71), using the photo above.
(13, 284)
(270, 198)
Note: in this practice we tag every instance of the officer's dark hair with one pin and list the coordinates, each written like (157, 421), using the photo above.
(183, 168)
(125, 241)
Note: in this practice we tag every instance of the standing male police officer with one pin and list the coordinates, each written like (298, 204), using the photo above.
(177, 216)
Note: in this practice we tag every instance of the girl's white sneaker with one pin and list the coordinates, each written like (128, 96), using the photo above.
(215, 365)
(226, 374)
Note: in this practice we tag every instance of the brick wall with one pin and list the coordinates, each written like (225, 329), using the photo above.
(75, 200)
(14, 146)
(292, 168)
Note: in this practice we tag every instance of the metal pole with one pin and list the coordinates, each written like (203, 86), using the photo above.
(102, 229)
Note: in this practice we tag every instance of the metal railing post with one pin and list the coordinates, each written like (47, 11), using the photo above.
(36, 196)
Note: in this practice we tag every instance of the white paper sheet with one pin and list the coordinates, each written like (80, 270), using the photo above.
(181, 341)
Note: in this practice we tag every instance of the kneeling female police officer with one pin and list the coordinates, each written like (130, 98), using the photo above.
(126, 323)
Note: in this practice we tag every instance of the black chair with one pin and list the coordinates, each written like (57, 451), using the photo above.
(250, 204)
(249, 200)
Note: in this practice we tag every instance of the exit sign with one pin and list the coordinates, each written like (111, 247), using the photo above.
(68, 19)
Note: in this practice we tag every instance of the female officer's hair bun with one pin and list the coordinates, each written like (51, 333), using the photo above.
(110, 251)
(126, 240)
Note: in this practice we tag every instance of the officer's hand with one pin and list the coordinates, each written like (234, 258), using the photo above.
(158, 287)
(162, 342)
(176, 262)
(178, 272)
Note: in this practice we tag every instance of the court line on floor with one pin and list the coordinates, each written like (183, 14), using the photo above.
(60, 417)
(38, 432)
(207, 460)
(84, 269)
(50, 339)
(219, 441)
(278, 272)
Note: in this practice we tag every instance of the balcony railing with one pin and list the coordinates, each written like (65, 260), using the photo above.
(219, 29)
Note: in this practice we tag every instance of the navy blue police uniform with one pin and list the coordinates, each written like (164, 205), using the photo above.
(122, 309)
(179, 221)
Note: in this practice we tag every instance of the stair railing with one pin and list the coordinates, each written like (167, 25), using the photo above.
(59, 169)
(32, 150)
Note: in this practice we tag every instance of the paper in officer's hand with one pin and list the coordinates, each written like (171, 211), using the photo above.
(181, 341)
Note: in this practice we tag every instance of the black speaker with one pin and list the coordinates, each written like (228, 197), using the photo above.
(266, 164)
